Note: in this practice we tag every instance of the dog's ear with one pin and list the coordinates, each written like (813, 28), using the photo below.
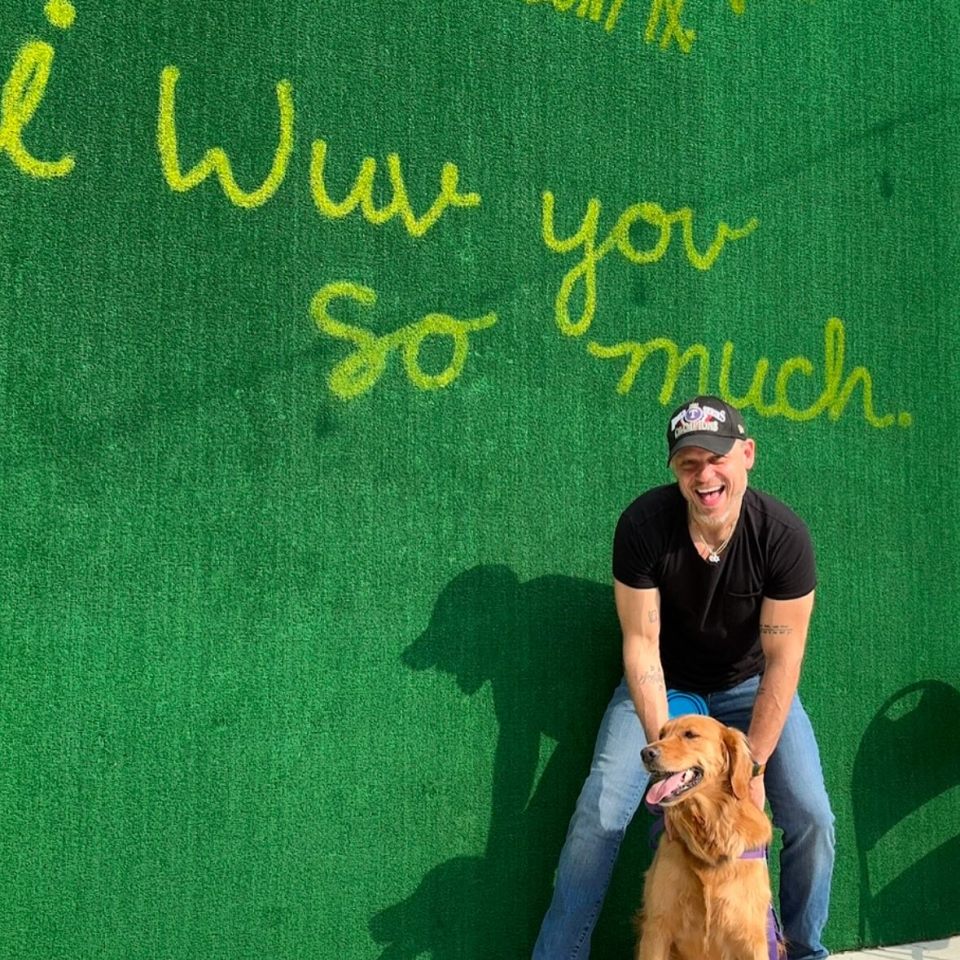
(739, 762)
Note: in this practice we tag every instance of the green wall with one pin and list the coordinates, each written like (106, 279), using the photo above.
(310, 471)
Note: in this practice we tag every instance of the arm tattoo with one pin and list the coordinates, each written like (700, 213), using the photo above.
(775, 630)
(652, 675)
(652, 616)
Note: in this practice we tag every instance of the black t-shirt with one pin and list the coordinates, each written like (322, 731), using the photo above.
(710, 612)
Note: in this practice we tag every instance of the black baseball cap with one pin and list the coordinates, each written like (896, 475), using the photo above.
(705, 422)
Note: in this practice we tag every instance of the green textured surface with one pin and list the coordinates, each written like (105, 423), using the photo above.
(288, 675)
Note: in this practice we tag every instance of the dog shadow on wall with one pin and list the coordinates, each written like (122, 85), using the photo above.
(906, 791)
(550, 648)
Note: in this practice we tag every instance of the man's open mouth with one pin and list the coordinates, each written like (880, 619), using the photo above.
(710, 496)
(666, 788)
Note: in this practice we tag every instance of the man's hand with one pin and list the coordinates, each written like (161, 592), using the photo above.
(758, 792)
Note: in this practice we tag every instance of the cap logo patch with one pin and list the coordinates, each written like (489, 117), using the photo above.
(697, 418)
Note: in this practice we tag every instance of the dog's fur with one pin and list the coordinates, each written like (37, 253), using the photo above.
(701, 900)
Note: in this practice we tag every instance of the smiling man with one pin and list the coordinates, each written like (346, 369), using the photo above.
(714, 585)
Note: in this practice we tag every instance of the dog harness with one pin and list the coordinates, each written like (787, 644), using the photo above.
(775, 943)
(680, 702)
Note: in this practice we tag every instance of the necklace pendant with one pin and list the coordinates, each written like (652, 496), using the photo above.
(713, 557)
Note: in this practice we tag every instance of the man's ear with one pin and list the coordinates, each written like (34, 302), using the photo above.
(739, 762)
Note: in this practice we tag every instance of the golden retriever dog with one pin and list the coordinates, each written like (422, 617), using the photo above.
(702, 900)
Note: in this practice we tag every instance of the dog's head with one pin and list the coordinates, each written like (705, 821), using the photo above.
(696, 753)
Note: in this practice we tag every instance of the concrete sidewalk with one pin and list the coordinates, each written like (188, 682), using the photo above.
(934, 950)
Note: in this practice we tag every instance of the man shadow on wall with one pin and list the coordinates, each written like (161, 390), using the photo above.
(550, 648)
(909, 757)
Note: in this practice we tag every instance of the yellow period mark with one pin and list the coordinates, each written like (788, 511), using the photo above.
(360, 371)
(215, 160)
(833, 400)
(361, 193)
(585, 241)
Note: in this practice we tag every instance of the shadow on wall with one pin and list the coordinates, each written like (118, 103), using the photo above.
(908, 762)
(550, 648)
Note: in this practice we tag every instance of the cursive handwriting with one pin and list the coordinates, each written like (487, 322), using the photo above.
(215, 161)
(587, 9)
(833, 400)
(668, 11)
(361, 194)
(23, 92)
(771, 391)
(620, 238)
(360, 371)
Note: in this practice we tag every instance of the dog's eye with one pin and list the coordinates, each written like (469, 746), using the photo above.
(689, 735)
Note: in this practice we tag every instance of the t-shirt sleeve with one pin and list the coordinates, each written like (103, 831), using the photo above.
(792, 571)
(633, 561)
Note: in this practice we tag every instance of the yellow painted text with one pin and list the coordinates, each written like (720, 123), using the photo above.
(361, 194)
(584, 242)
(667, 13)
(837, 390)
(19, 101)
(360, 371)
(591, 10)
(215, 160)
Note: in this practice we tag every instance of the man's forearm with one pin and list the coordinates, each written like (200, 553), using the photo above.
(777, 688)
(647, 689)
(639, 612)
(783, 637)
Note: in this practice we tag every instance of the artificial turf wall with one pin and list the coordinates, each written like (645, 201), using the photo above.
(336, 335)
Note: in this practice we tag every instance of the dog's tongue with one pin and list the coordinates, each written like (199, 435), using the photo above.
(662, 788)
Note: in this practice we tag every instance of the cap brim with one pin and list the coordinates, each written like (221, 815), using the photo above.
(705, 441)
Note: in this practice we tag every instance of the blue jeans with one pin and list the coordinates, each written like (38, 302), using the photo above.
(615, 788)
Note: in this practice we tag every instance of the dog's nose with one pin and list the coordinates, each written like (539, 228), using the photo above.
(649, 754)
